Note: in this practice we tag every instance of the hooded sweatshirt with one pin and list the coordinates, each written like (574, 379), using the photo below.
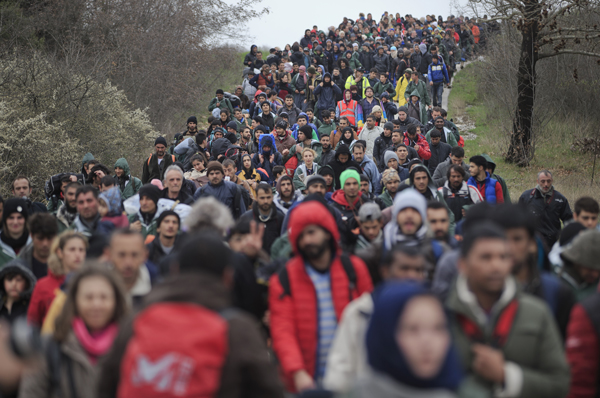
(392, 233)
(339, 167)
(267, 165)
(128, 185)
(20, 306)
(327, 93)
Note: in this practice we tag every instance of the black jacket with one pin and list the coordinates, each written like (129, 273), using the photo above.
(439, 153)
(152, 170)
(272, 226)
(339, 167)
(183, 197)
(548, 211)
(156, 254)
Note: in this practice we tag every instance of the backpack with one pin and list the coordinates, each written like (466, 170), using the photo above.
(155, 364)
(291, 165)
(53, 185)
(284, 277)
(550, 288)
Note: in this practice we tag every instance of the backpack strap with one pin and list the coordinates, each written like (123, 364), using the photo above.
(284, 280)
(591, 305)
(550, 288)
(236, 201)
(350, 273)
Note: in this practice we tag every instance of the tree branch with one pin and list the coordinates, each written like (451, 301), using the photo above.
(548, 55)
(573, 37)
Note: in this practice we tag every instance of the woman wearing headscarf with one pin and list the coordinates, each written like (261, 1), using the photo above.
(249, 177)
(409, 346)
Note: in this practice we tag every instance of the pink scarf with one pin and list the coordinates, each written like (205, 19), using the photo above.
(302, 72)
(95, 344)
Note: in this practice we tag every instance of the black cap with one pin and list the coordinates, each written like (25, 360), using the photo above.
(160, 140)
(192, 119)
(150, 191)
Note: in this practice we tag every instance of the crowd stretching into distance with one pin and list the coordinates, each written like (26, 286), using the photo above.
(325, 236)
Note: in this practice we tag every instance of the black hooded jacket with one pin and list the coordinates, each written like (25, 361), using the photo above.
(338, 167)
(19, 308)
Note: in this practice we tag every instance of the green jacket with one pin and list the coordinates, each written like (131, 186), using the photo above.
(86, 158)
(451, 140)
(54, 205)
(579, 287)
(386, 198)
(379, 88)
(326, 129)
(355, 61)
(532, 348)
(315, 145)
(281, 248)
(299, 179)
(7, 253)
(224, 104)
(147, 229)
(421, 87)
(132, 184)
(422, 106)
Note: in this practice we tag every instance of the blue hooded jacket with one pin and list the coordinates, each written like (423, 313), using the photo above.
(267, 165)
(384, 354)
(327, 94)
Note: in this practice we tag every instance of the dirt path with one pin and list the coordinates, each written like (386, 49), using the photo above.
(463, 122)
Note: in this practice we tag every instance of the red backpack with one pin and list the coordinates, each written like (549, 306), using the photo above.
(291, 165)
(176, 350)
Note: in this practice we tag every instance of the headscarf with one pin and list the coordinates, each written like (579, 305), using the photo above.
(302, 73)
(345, 140)
(248, 174)
(384, 354)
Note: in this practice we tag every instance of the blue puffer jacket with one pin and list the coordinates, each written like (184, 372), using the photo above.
(327, 94)
(438, 73)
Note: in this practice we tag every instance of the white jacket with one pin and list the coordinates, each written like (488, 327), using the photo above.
(370, 136)
(347, 360)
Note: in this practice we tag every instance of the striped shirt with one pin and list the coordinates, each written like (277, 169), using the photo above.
(327, 321)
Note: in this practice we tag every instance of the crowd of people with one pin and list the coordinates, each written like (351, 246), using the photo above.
(326, 235)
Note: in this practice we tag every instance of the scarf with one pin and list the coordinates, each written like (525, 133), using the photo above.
(347, 141)
(95, 344)
(302, 73)
(16, 244)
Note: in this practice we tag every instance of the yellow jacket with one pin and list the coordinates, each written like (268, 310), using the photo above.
(400, 89)
(54, 311)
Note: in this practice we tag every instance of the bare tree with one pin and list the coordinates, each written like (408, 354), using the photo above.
(548, 28)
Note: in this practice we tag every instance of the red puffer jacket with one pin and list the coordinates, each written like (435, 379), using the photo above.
(582, 354)
(424, 152)
(42, 296)
(294, 324)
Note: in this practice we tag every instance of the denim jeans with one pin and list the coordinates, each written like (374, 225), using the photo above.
(436, 93)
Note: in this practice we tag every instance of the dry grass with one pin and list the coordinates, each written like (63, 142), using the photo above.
(572, 170)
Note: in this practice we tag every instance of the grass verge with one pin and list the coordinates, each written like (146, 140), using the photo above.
(572, 170)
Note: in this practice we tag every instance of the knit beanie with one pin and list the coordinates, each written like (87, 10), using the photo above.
(14, 205)
(160, 140)
(315, 179)
(214, 166)
(232, 125)
(389, 155)
(166, 213)
(192, 119)
(349, 173)
(150, 191)
(311, 70)
(307, 130)
(326, 171)
(388, 126)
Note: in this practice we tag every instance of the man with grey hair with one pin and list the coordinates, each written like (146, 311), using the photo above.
(173, 183)
(548, 205)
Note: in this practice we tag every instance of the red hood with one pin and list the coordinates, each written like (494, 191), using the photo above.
(311, 213)
(340, 198)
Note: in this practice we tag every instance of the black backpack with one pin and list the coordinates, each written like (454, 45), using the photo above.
(53, 185)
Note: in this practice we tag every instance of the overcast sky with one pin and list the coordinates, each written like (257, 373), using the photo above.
(287, 20)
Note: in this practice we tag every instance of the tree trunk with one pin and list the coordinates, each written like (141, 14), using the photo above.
(521, 140)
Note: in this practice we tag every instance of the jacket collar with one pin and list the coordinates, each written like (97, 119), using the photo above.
(466, 299)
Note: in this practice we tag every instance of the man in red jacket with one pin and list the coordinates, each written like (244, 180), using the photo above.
(417, 141)
(307, 297)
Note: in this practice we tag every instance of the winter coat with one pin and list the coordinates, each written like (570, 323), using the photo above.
(226, 192)
(367, 108)
(401, 86)
(352, 82)
(490, 189)
(152, 170)
(447, 137)
(466, 195)
(7, 253)
(225, 104)
(548, 211)
(369, 168)
(42, 297)
(439, 153)
(272, 225)
(378, 384)
(294, 321)
(300, 176)
(156, 253)
(99, 227)
(19, 307)
(381, 88)
(370, 136)
(83, 374)
(423, 152)
(327, 157)
(246, 370)
(423, 91)
(286, 143)
(338, 167)
(186, 149)
(346, 366)
(437, 73)
(532, 347)
(441, 172)
(417, 110)
(382, 143)
(267, 165)
(297, 151)
(382, 62)
(292, 113)
(498, 178)
(366, 59)
(326, 129)
(261, 79)
(132, 184)
(327, 94)
(349, 211)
